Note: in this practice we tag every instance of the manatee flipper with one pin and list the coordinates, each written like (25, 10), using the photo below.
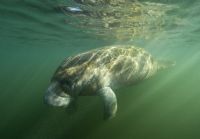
(110, 102)
(164, 64)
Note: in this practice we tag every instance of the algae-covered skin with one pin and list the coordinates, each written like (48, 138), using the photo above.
(120, 19)
(98, 72)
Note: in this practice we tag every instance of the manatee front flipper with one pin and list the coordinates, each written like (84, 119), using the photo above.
(110, 102)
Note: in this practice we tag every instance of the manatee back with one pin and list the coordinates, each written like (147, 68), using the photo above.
(120, 64)
(130, 65)
(73, 65)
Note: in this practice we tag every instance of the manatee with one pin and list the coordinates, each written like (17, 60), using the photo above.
(98, 72)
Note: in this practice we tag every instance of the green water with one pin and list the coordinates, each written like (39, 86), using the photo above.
(34, 39)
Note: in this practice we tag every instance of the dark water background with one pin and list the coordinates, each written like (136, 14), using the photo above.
(34, 40)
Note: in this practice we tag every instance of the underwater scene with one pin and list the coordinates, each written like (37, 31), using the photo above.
(106, 55)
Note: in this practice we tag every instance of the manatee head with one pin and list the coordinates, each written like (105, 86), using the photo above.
(57, 95)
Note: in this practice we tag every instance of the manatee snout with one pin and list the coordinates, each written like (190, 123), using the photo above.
(55, 96)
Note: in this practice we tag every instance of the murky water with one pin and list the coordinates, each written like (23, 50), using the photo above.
(35, 38)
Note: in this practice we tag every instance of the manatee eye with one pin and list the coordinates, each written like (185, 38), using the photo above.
(65, 85)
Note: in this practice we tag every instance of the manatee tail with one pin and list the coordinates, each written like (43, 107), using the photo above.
(164, 64)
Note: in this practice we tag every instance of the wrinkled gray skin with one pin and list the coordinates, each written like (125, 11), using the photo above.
(98, 72)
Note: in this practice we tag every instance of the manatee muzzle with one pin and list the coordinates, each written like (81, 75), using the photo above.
(55, 96)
